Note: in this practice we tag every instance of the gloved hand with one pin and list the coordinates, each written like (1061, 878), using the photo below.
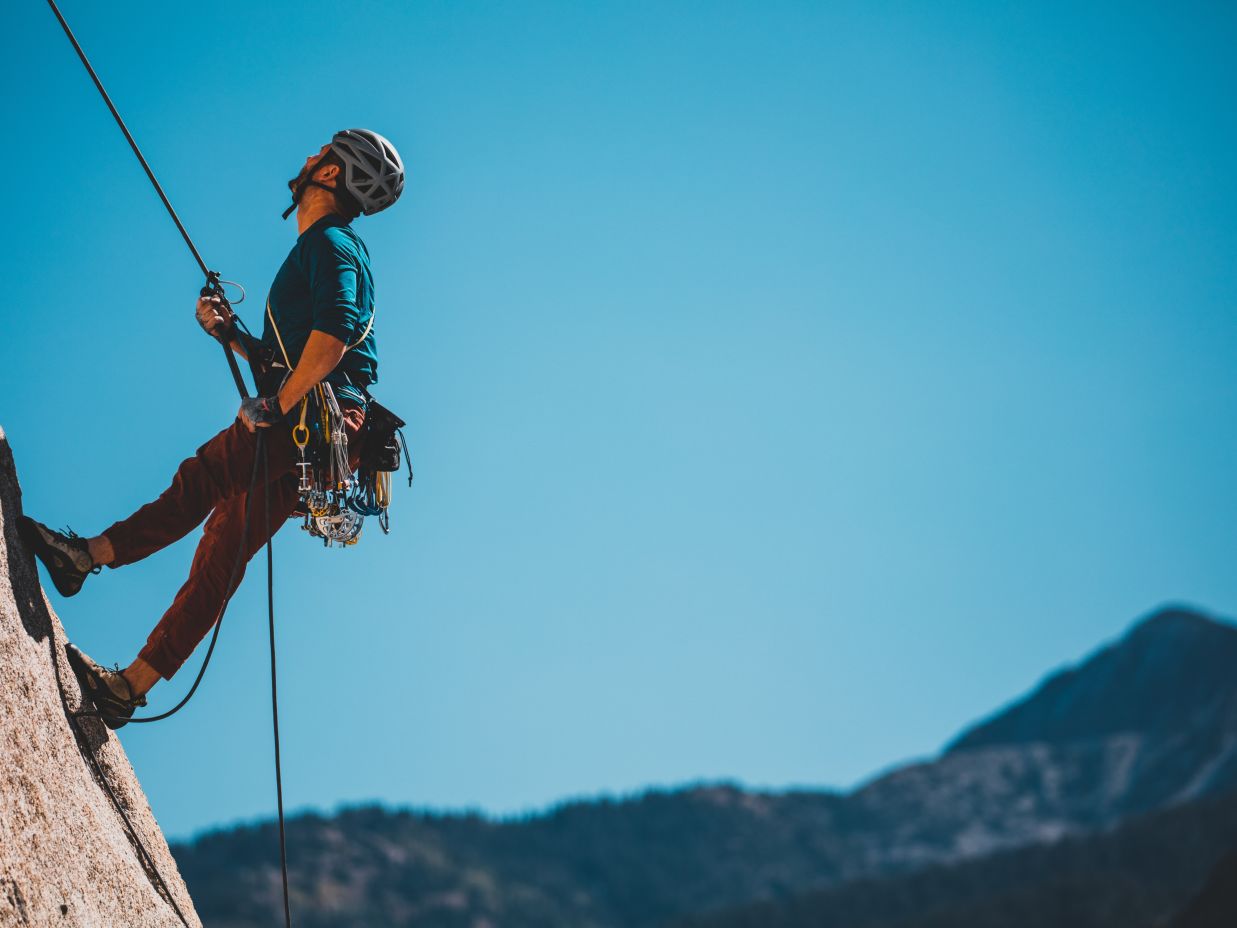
(211, 318)
(260, 411)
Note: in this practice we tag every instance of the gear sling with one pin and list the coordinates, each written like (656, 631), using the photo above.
(334, 502)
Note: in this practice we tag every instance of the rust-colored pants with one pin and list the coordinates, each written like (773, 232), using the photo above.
(214, 482)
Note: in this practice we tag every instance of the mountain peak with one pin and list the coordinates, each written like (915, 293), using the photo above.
(1172, 669)
(1178, 623)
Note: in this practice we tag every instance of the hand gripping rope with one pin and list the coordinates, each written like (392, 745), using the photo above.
(213, 287)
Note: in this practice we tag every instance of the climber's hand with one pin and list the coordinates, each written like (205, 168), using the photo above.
(210, 313)
(260, 412)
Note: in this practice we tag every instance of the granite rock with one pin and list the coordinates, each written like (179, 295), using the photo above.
(79, 845)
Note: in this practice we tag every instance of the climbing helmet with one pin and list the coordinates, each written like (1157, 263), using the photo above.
(372, 170)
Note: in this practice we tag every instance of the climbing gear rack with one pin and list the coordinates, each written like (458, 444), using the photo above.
(334, 500)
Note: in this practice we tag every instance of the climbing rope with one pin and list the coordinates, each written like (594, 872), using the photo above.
(270, 612)
(213, 288)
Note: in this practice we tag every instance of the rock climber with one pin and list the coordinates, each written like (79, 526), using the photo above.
(319, 317)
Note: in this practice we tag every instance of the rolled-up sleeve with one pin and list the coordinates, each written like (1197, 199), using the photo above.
(332, 267)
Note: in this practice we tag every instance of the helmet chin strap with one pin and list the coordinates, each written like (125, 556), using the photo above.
(300, 192)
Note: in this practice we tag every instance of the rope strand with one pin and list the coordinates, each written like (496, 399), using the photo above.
(212, 278)
(213, 287)
(129, 138)
(270, 612)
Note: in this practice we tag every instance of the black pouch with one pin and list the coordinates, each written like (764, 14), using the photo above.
(381, 446)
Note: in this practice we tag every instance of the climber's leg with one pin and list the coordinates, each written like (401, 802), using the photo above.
(197, 606)
(200, 601)
(221, 469)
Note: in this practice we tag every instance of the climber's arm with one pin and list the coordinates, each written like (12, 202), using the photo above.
(321, 355)
(322, 352)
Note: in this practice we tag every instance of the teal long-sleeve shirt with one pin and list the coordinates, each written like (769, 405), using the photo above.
(325, 285)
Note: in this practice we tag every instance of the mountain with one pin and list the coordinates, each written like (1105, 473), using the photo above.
(78, 844)
(1143, 723)
(1135, 876)
(603, 863)
(1155, 729)
(1173, 669)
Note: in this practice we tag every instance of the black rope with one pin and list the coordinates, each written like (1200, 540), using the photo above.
(270, 612)
(129, 138)
(212, 287)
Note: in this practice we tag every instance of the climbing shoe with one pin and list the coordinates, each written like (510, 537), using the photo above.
(108, 689)
(64, 554)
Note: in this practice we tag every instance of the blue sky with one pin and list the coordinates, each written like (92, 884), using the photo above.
(789, 384)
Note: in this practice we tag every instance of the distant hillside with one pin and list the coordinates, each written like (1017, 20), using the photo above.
(1135, 876)
(1156, 727)
(587, 864)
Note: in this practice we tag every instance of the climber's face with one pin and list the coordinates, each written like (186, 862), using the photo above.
(308, 167)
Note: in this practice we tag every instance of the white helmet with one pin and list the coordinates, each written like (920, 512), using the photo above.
(373, 172)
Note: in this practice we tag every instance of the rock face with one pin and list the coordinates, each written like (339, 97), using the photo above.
(78, 843)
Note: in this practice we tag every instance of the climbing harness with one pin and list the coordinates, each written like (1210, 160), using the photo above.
(334, 500)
